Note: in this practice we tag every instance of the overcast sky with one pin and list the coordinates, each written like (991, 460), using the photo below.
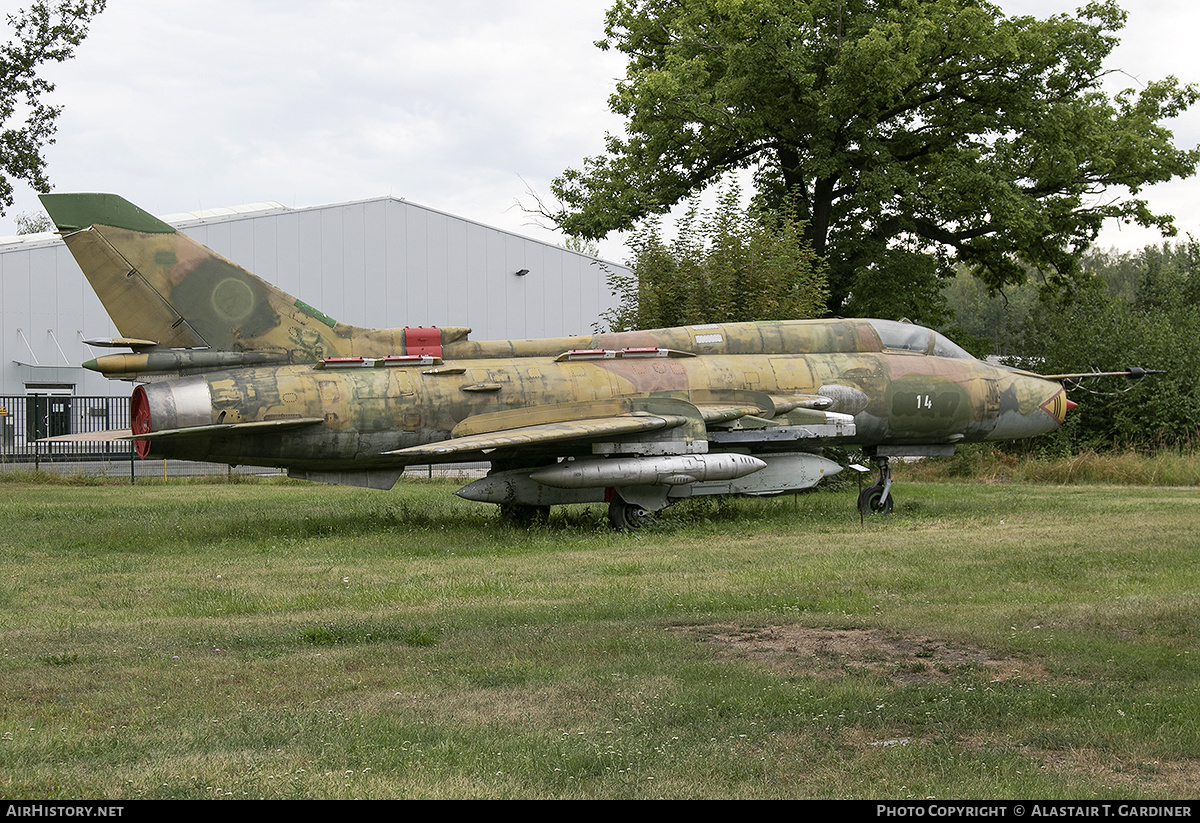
(464, 106)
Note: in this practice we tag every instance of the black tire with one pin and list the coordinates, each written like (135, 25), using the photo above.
(626, 517)
(870, 501)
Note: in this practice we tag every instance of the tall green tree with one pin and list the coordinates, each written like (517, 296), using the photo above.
(42, 33)
(1125, 310)
(985, 322)
(939, 128)
(729, 264)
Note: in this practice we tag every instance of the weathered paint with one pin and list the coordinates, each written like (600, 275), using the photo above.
(369, 411)
(264, 379)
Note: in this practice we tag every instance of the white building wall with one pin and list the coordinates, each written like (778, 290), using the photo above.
(377, 263)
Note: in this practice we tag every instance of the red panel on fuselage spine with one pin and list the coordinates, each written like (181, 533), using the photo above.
(423, 341)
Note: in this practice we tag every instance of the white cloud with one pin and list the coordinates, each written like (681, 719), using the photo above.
(458, 105)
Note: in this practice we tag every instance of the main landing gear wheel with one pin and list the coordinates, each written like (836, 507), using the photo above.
(871, 501)
(626, 517)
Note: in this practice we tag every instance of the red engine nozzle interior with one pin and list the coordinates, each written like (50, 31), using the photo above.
(139, 420)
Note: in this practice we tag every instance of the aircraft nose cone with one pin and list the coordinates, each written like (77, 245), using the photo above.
(1058, 406)
(1030, 406)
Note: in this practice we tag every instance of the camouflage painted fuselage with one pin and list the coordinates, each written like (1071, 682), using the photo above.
(370, 409)
(242, 373)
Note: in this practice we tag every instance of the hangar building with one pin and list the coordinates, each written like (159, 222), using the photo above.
(381, 263)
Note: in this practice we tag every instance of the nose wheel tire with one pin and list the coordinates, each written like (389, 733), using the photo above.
(872, 501)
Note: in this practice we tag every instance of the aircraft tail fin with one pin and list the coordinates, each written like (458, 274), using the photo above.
(159, 284)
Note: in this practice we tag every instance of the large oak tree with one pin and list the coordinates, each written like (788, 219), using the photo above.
(935, 129)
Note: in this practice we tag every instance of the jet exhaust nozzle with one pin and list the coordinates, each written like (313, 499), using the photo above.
(162, 407)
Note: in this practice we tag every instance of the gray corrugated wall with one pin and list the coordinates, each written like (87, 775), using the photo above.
(376, 263)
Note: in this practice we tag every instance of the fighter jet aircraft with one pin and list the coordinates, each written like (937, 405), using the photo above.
(233, 370)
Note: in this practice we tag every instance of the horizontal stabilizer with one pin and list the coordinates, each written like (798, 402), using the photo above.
(90, 437)
(261, 426)
(189, 431)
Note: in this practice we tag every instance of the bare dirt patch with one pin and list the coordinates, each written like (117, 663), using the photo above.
(826, 652)
(911, 659)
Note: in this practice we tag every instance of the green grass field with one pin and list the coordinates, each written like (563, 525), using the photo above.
(286, 640)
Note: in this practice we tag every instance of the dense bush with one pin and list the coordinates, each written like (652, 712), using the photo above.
(727, 265)
(1131, 310)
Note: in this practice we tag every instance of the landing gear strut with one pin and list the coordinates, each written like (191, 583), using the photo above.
(877, 499)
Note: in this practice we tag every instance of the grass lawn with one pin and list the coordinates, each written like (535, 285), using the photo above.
(288, 640)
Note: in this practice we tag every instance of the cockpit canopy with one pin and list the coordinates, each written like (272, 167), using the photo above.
(909, 337)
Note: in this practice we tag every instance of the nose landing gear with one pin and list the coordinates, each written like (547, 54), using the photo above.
(877, 498)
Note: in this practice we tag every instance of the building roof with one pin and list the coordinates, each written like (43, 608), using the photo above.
(200, 217)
